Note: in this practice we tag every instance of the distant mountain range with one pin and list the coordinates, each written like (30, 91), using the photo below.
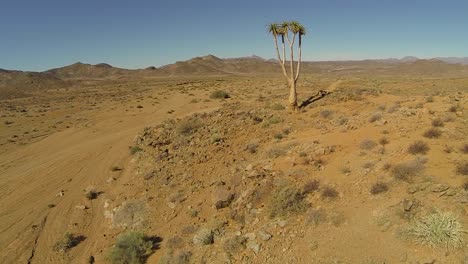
(212, 65)
(16, 83)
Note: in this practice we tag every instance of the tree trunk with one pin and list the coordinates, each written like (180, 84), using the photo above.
(293, 96)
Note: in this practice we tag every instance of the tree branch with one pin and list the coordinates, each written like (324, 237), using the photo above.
(281, 61)
(299, 59)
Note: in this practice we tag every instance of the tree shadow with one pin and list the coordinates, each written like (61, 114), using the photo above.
(320, 94)
(156, 240)
(75, 240)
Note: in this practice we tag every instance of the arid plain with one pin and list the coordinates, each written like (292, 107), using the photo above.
(204, 159)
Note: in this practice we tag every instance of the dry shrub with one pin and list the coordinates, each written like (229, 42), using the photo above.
(189, 126)
(329, 193)
(285, 201)
(437, 122)
(311, 186)
(432, 133)
(379, 187)
(67, 242)
(418, 147)
(462, 168)
(375, 117)
(406, 171)
(219, 94)
(464, 148)
(368, 144)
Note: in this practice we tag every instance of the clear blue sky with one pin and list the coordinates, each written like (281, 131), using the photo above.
(42, 34)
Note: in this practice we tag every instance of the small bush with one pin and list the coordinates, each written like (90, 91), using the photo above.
(329, 193)
(326, 113)
(117, 168)
(189, 126)
(374, 118)
(453, 108)
(285, 201)
(276, 152)
(203, 237)
(271, 121)
(277, 107)
(387, 166)
(406, 171)
(252, 148)
(234, 244)
(345, 170)
(429, 99)
(91, 193)
(418, 147)
(278, 136)
(432, 133)
(462, 168)
(131, 248)
(311, 186)
(437, 122)
(368, 144)
(316, 216)
(219, 94)
(383, 141)
(135, 149)
(379, 187)
(464, 149)
(465, 186)
(67, 242)
(438, 229)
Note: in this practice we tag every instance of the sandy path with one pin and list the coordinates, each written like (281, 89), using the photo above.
(71, 160)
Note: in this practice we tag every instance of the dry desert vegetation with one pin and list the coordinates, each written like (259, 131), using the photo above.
(202, 162)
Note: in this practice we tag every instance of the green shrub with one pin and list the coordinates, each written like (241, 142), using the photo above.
(135, 149)
(438, 229)
(131, 248)
(67, 242)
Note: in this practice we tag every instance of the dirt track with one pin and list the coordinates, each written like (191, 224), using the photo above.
(71, 160)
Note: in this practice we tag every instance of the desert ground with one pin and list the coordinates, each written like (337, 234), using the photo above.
(212, 168)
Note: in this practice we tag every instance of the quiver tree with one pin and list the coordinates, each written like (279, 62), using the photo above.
(289, 30)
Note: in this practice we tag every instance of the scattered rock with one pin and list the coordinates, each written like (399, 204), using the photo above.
(222, 197)
(254, 246)
(263, 235)
(407, 205)
(439, 188)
